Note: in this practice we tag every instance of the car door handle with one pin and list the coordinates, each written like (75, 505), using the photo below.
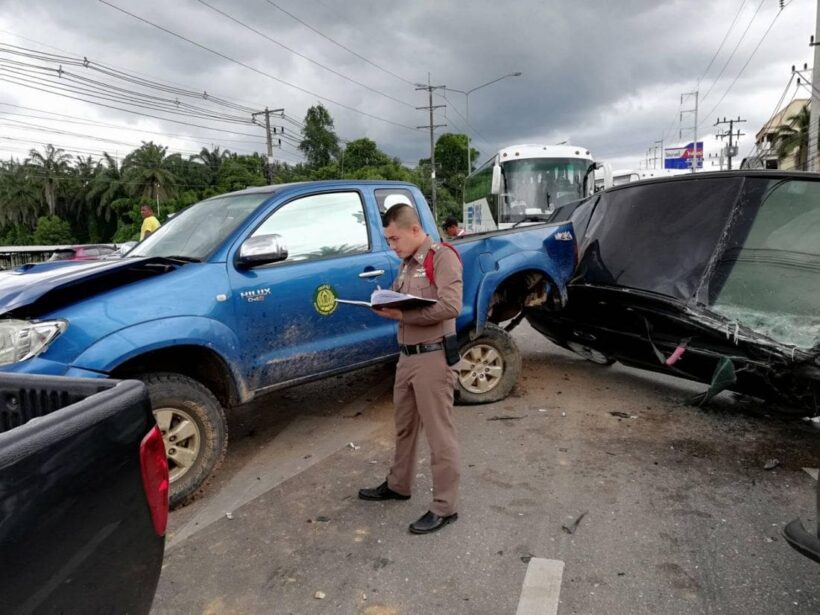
(374, 273)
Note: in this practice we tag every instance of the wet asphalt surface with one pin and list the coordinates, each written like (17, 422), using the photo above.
(679, 514)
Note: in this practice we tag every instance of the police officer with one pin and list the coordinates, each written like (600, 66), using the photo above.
(425, 384)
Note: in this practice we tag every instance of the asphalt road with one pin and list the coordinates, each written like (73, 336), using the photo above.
(679, 514)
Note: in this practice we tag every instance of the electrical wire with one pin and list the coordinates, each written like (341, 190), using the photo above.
(732, 55)
(256, 70)
(338, 44)
(723, 42)
(303, 56)
(743, 68)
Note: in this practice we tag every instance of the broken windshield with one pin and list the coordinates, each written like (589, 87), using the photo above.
(200, 229)
(768, 276)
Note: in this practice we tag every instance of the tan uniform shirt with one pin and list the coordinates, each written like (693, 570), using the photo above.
(430, 324)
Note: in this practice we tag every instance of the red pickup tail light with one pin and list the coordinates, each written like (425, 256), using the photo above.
(154, 465)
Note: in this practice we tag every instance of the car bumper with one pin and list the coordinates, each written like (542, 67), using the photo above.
(50, 368)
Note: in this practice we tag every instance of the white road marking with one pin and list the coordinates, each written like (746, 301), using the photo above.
(813, 472)
(542, 587)
(283, 458)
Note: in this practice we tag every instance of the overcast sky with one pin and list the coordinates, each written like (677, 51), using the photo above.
(604, 75)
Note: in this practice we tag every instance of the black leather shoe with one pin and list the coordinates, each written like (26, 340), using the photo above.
(431, 522)
(382, 492)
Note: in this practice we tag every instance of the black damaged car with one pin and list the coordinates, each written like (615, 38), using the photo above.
(713, 277)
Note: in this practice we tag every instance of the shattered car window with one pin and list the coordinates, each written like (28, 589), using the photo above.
(768, 277)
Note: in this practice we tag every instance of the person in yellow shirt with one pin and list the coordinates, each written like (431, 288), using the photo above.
(149, 221)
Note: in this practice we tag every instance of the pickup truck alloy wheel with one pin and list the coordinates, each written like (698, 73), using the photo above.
(480, 369)
(489, 367)
(193, 429)
(182, 440)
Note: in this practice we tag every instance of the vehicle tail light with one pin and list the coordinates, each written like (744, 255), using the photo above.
(154, 465)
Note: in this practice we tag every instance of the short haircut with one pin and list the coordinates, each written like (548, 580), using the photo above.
(404, 216)
(450, 221)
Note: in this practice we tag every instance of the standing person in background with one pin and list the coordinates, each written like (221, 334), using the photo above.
(425, 381)
(149, 221)
(450, 227)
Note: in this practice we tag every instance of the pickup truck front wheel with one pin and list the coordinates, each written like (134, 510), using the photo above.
(193, 428)
(489, 368)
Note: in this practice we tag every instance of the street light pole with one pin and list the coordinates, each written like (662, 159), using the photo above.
(467, 109)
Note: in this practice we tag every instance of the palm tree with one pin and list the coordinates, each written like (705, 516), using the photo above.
(51, 167)
(19, 196)
(145, 170)
(108, 186)
(213, 161)
(792, 138)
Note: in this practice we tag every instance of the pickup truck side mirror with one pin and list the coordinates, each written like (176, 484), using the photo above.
(261, 250)
(495, 186)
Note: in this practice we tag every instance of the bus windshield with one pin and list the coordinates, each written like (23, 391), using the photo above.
(534, 187)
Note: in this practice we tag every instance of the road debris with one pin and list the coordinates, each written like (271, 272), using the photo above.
(542, 409)
(771, 464)
(353, 446)
(229, 515)
(505, 418)
(812, 419)
(570, 529)
(620, 415)
(320, 595)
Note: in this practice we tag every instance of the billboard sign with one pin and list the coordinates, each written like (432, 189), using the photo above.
(681, 157)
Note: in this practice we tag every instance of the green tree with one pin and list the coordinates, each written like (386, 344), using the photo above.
(52, 230)
(362, 153)
(147, 174)
(319, 143)
(108, 187)
(50, 167)
(792, 138)
(213, 161)
(19, 195)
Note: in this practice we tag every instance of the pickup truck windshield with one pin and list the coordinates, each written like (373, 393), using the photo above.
(200, 229)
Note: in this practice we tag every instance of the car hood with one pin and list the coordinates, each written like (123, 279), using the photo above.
(34, 289)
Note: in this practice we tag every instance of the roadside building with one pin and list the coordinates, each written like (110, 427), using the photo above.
(765, 155)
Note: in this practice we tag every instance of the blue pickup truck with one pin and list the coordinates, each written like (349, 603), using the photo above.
(236, 296)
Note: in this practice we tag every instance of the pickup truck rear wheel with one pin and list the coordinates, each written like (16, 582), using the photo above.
(193, 429)
(489, 368)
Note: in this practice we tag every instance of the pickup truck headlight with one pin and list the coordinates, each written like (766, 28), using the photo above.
(23, 339)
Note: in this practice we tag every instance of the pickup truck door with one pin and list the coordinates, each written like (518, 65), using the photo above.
(288, 322)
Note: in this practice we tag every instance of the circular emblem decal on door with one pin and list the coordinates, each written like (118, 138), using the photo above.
(324, 300)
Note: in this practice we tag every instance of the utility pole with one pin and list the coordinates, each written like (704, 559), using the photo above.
(685, 95)
(731, 150)
(658, 145)
(432, 126)
(814, 105)
(269, 137)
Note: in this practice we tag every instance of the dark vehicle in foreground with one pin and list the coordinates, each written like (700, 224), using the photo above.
(801, 539)
(83, 495)
(714, 277)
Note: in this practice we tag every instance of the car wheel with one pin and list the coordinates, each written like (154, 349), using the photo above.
(590, 354)
(489, 368)
(193, 429)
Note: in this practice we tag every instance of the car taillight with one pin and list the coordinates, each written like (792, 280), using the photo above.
(154, 465)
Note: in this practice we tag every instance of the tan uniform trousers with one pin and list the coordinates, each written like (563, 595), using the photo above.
(423, 397)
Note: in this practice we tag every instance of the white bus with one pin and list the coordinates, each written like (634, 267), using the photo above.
(525, 183)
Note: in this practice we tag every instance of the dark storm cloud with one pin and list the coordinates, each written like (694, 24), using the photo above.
(610, 73)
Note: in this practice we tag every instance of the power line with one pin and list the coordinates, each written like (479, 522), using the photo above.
(303, 56)
(256, 70)
(743, 68)
(732, 55)
(754, 151)
(726, 36)
(338, 44)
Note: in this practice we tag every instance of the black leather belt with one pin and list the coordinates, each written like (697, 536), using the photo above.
(419, 348)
